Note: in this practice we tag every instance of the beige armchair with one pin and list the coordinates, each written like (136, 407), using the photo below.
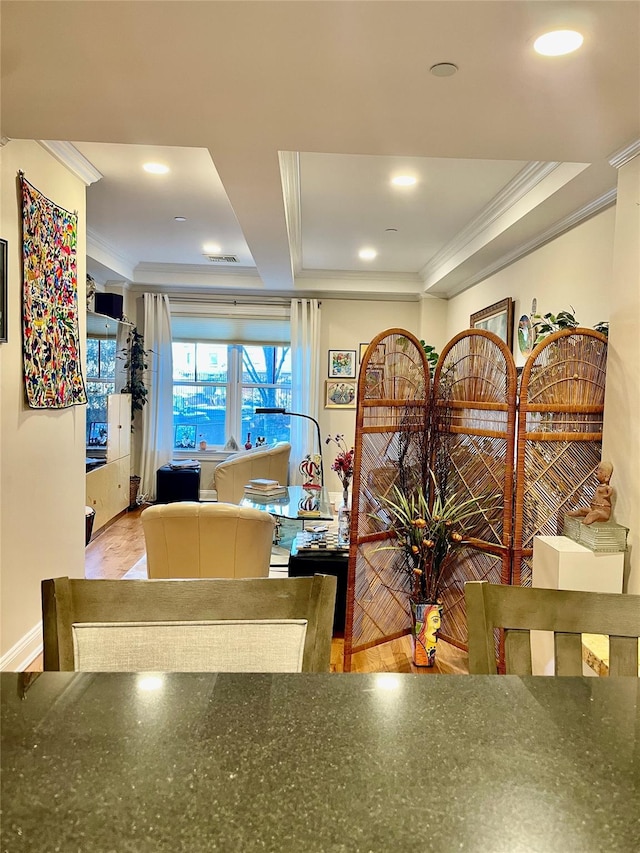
(208, 540)
(231, 476)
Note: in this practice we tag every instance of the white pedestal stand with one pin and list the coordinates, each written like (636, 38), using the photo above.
(561, 563)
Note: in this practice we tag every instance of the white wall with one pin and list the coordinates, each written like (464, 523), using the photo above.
(621, 444)
(572, 270)
(594, 268)
(42, 472)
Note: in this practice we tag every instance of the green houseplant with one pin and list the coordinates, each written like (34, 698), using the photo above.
(135, 363)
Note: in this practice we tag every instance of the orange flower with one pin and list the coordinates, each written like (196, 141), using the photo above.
(419, 522)
(456, 537)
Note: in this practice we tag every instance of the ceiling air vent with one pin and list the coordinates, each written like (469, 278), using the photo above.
(222, 259)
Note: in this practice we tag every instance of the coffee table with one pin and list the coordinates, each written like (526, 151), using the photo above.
(292, 505)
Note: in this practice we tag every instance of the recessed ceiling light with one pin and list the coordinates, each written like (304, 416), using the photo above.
(367, 254)
(156, 168)
(443, 69)
(211, 249)
(558, 42)
(404, 181)
(180, 218)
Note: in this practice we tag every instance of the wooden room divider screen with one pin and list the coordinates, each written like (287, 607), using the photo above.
(476, 379)
(558, 422)
(561, 411)
(393, 387)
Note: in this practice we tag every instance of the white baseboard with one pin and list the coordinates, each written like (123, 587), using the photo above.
(24, 652)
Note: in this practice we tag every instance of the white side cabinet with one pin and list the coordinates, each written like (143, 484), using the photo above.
(107, 487)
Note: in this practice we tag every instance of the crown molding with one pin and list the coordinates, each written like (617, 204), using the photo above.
(105, 254)
(290, 177)
(69, 156)
(360, 275)
(556, 230)
(528, 178)
(621, 157)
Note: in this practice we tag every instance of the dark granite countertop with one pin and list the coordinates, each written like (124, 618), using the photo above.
(326, 763)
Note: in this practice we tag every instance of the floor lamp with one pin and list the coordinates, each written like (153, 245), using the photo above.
(273, 411)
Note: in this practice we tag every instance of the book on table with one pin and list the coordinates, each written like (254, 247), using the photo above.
(264, 484)
(266, 494)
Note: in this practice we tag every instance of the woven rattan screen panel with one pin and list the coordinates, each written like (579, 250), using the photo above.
(559, 437)
(476, 380)
(393, 387)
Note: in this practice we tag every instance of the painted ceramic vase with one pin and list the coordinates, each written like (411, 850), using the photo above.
(425, 623)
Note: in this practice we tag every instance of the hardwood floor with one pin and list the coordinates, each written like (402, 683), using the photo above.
(117, 548)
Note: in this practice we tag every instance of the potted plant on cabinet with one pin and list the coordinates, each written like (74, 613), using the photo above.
(135, 364)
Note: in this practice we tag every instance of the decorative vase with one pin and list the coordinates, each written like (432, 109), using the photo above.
(344, 519)
(425, 623)
(203, 444)
(247, 444)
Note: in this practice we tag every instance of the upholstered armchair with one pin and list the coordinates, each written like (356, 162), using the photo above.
(231, 476)
(207, 540)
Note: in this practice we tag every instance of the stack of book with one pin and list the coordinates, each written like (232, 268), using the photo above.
(266, 490)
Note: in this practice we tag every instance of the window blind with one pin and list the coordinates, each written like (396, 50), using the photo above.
(262, 325)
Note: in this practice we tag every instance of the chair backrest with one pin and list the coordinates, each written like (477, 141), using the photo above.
(215, 625)
(231, 476)
(568, 614)
(207, 540)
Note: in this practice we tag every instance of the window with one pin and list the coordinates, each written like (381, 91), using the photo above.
(101, 381)
(217, 387)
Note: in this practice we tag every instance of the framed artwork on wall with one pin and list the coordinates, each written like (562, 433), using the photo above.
(3, 291)
(339, 394)
(496, 318)
(342, 364)
(363, 349)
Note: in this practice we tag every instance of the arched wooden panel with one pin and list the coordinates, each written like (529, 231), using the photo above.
(391, 420)
(559, 436)
(476, 380)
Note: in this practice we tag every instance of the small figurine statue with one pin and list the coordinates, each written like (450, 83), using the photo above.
(600, 508)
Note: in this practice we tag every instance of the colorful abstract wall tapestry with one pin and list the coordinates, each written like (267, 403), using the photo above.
(51, 351)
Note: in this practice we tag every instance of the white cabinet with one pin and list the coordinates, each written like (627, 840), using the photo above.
(118, 426)
(107, 487)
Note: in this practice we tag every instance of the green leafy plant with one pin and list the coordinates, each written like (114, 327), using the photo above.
(428, 530)
(136, 362)
(546, 324)
(432, 356)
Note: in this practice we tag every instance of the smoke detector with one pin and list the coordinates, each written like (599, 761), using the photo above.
(222, 259)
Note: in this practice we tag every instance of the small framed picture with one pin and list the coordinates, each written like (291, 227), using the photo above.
(342, 364)
(374, 382)
(339, 394)
(378, 355)
(363, 349)
(185, 436)
(496, 318)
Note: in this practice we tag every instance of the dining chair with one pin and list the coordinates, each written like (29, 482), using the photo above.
(569, 614)
(211, 625)
(187, 539)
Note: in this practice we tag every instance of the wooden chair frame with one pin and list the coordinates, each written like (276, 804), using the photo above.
(66, 601)
(519, 610)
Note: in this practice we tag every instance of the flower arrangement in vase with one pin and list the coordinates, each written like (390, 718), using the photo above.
(342, 464)
(427, 530)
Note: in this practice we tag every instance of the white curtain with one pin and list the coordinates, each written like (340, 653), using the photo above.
(305, 380)
(157, 414)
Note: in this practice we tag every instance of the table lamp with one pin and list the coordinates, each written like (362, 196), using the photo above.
(275, 411)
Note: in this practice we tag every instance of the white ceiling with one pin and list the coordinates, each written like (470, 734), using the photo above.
(283, 122)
